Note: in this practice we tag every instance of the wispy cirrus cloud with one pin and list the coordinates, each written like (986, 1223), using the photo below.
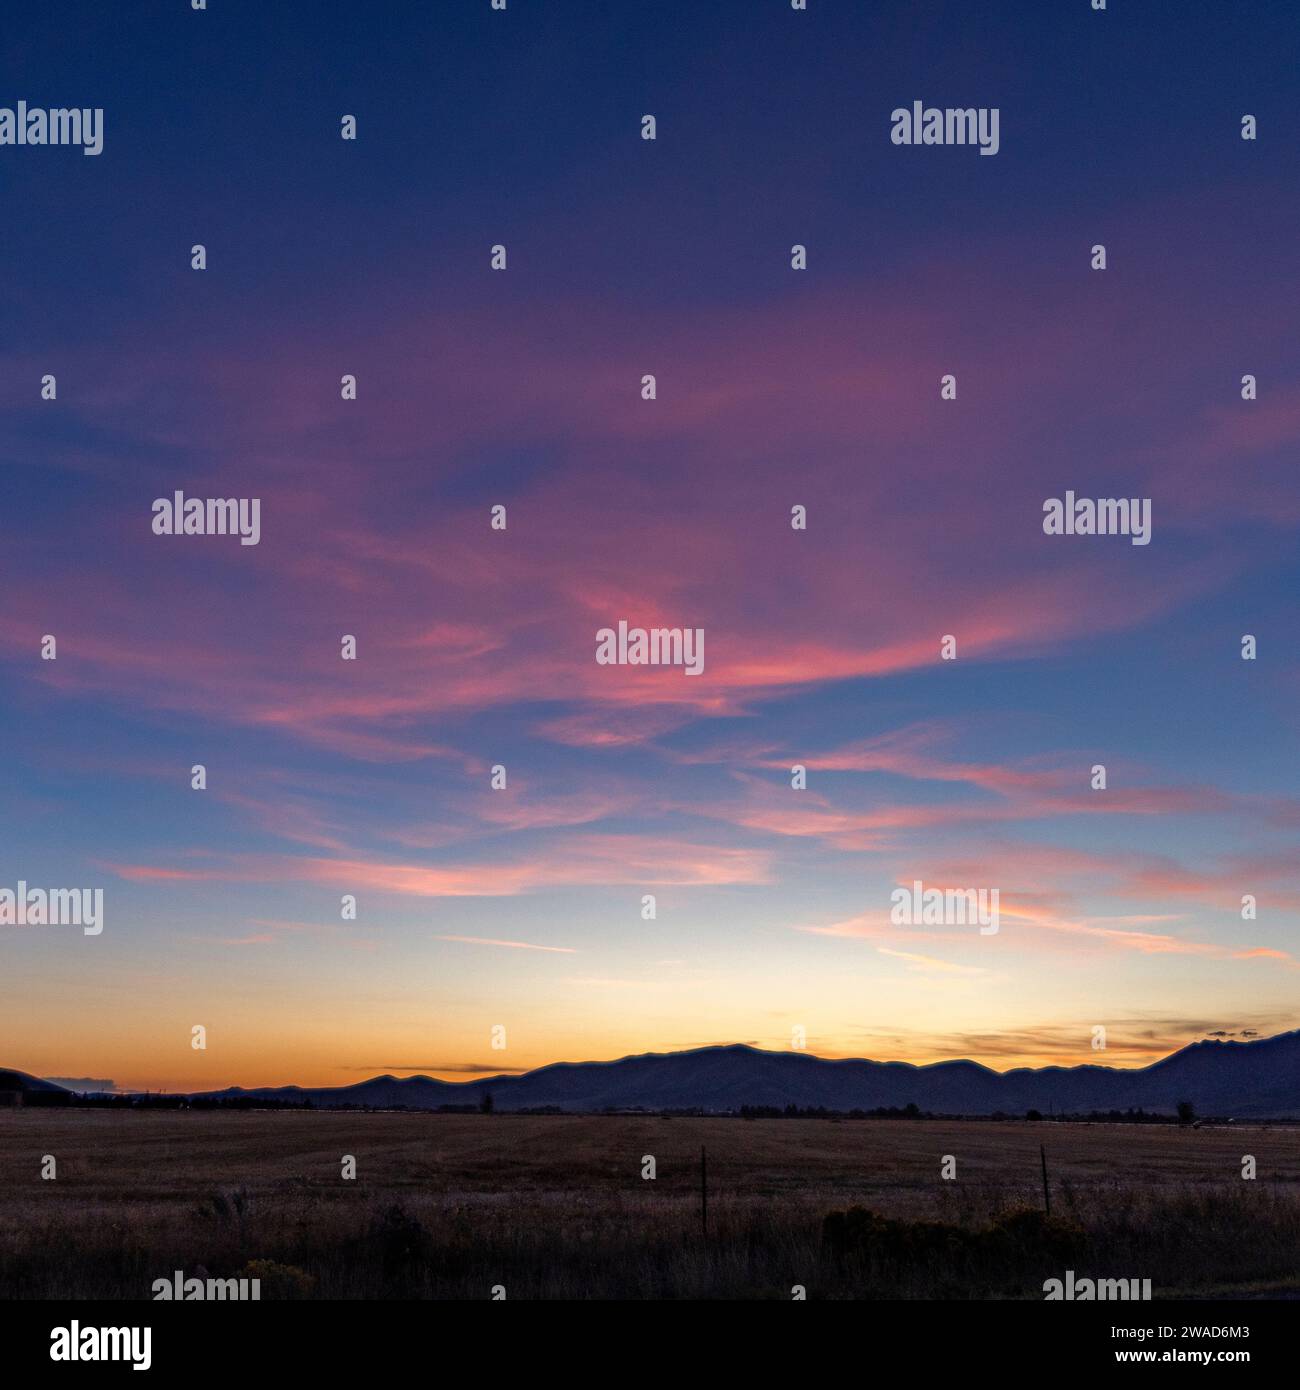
(511, 945)
(585, 859)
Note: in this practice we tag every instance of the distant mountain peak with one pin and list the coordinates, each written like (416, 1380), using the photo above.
(1259, 1077)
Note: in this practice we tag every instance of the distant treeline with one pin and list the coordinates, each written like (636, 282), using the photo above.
(161, 1101)
(911, 1111)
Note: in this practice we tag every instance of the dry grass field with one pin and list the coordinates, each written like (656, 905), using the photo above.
(446, 1206)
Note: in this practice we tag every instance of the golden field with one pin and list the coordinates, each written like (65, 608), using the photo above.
(556, 1206)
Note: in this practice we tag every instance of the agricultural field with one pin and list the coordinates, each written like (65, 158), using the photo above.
(455, 1206)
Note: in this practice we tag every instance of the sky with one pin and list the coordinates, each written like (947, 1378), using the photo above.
(516, 915)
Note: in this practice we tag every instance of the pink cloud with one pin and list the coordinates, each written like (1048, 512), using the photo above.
(512, 945)
(635, 520)
(593, 860)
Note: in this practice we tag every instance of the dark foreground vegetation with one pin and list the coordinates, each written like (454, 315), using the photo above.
(557, 1207)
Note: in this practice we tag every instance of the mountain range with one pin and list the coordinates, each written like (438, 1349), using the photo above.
(1238, 1079)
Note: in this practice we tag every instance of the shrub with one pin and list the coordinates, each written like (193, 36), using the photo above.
(279, 1281)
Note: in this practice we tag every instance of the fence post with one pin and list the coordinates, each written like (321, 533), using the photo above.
(704, 1192)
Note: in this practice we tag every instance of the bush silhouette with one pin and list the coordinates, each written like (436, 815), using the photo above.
(1016, 1245)
(401, 1243)
(277, 1280)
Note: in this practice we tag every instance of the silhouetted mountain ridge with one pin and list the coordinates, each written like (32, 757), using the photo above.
(1242, 1079)
(11, 1080)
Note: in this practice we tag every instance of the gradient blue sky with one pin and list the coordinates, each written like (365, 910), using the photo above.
(775, 387)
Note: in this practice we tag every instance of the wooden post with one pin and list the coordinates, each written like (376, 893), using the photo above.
(1047, 1195)
(704, 1192)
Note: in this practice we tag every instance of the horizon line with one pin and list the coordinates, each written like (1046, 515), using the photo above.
(506, 1075)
